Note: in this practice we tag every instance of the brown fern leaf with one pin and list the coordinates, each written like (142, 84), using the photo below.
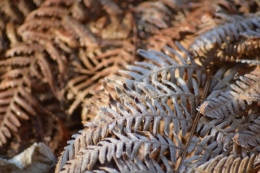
(12, 14)
(23, 49)
(24, 120)
(39, 25)
(85, 36)
(48, 3)
(9, 10)
(92, 68)
(193, 20)
(11, 34)
(15, 107)
(50, 12)
(22, 88)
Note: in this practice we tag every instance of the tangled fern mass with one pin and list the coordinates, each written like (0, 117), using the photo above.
(129, 86)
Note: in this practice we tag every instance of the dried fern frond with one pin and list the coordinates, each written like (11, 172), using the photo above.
(22, 90)
(248, 137)
(223, 130)
(226, 33)
(226, 164)
(55, 54)
(23, 49)
(143, 146)
(190, 21)
(243, 93)
(12, 15)
(222, 79)
(159, 95)
(14, 106)
(248, 46)
(93, 65)
(20, 104)
(50, 12)
(145, 104)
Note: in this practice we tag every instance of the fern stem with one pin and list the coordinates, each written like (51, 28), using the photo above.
(197, 118)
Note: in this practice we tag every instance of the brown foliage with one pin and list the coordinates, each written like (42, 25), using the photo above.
(191, 107)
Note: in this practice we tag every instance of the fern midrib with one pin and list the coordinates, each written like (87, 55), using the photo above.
(196, 120)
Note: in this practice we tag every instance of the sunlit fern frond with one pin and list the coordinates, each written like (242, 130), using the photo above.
(142, 147)
(243, 93)
(160, 94)
(248, 46)
(222, 163)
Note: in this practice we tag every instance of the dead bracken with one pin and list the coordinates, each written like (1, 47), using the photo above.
(151, 86)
